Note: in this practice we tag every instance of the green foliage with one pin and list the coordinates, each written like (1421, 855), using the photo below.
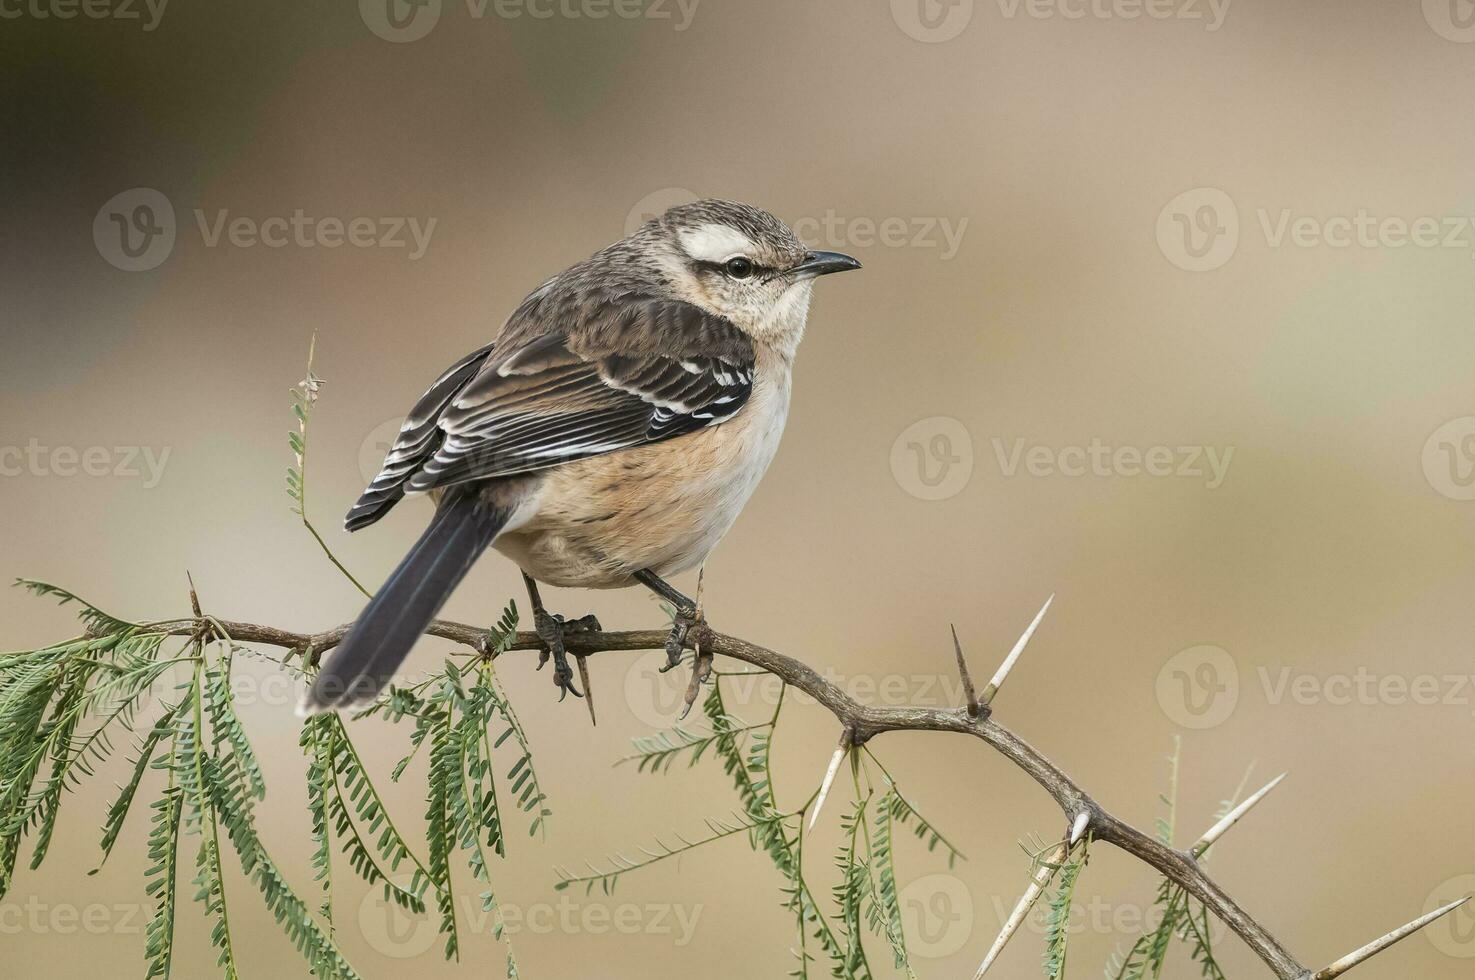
(865, 898)
(906, 815)
(304, 397)
(886, 906)
(849, 891)
(463, 811)
(1057, 919)
(63, 708)
(162, 876)
(1178, 921)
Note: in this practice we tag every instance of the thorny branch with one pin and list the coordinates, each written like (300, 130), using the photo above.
(862, 722)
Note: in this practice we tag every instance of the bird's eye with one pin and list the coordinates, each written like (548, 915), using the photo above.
(739, 267)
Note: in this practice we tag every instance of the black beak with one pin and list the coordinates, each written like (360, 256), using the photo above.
(824, 263)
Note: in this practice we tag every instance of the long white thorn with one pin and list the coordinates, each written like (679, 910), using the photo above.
(824, 787)
(1037, 885)
(1378, 945)
(1233, 817)
(1008, 664)
(1078, 829)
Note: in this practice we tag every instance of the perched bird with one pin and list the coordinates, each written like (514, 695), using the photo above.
(608, 436)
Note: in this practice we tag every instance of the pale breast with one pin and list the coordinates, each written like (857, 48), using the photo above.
(663, 507)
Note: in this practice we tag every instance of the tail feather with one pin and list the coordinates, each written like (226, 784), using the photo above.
(405, 604)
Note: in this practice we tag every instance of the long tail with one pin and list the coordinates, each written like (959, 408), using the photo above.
(405, 604)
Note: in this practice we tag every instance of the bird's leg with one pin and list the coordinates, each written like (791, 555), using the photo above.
(688, 614)
(551, 629)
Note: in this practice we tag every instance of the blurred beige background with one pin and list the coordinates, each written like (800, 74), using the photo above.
(1241, 234)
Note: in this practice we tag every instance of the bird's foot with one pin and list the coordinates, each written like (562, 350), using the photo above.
(685, 619)
(701, 670)
(551, 629)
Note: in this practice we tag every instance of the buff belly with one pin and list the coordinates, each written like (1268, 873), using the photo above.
(663, 507)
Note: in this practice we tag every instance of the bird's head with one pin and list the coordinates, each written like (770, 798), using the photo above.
(742, 263)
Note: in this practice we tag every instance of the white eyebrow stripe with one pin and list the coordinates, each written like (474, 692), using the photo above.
(714, 242)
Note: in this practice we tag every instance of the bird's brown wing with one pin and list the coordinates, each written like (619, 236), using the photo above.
(621, 374)
(419, 437)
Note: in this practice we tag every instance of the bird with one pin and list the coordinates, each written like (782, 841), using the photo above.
(608, 436)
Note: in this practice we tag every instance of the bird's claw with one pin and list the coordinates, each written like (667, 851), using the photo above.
(551, 630)
(682, 624)
(701, 669)
(563, 676)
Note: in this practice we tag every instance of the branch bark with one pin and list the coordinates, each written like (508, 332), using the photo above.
(865, 722)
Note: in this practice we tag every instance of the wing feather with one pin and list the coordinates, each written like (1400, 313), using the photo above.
(569, 378)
